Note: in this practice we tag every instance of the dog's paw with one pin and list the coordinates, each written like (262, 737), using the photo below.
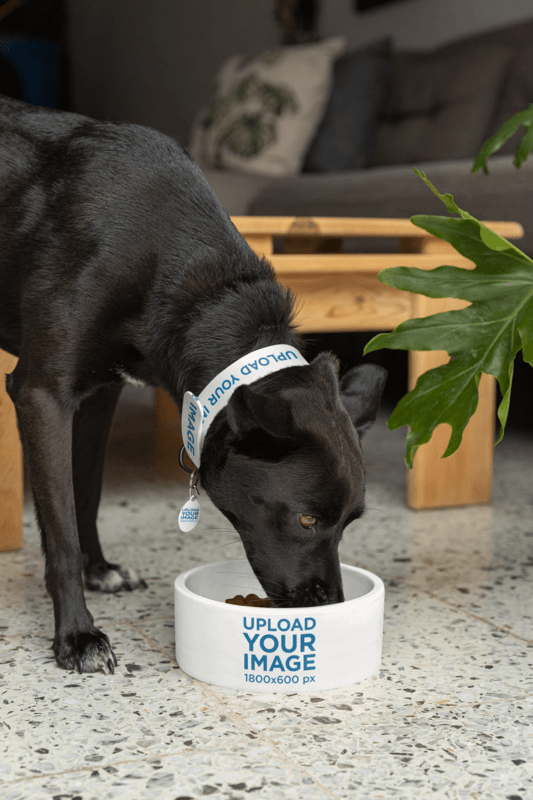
(87, 651)
(112, 578)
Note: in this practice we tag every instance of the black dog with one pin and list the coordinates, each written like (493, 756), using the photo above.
(117, 262)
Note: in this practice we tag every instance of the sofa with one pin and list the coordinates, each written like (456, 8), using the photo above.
(435, 110)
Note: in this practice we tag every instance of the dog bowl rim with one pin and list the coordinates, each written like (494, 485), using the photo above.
(377, 590)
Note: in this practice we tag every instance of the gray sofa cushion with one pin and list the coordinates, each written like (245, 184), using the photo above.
(345, 136)
(396, 191)
(441, 104)
(235, 190)
(516, 91)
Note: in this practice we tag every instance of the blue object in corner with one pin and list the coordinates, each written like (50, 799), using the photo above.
(37, 64)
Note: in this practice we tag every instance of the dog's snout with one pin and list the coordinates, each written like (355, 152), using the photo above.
(315, 592)
(309, 578)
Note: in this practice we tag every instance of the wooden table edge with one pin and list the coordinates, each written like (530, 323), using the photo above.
(350, 227)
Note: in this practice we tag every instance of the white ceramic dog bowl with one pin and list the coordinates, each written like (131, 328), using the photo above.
(275, 649)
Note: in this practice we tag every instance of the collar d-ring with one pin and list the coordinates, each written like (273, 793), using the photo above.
(194, 492)
(184, 467)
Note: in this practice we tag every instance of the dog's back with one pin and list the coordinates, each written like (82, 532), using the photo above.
(107, 170)
(115, 212)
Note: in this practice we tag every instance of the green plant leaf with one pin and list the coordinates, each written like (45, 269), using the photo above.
(526, 334)
(485, 235)
(507, 130)
(423, 409)
(484, 337)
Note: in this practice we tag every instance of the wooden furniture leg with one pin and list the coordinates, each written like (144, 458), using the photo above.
(11, 475)
(466, 477)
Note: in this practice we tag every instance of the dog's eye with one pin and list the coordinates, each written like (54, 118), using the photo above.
(307, 521)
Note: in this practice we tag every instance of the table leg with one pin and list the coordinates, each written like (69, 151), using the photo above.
(466, 477)
(11, 475)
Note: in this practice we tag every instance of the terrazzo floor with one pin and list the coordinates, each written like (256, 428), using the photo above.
(449, 715)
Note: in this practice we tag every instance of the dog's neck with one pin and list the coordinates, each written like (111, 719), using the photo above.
(254, 316)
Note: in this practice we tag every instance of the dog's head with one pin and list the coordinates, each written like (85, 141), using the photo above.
(285, 466)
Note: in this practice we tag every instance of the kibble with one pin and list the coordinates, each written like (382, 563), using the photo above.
(250, 600)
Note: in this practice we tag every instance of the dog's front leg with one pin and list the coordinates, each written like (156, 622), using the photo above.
(45, 425)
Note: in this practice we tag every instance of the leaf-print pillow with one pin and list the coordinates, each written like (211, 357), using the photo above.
(266, 109)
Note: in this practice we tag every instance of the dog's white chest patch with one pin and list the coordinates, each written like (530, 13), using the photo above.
(130, 379)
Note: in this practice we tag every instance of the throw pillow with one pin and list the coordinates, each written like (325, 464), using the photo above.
(516, 95)
(345, 137)
(441, 105)
(266, 109)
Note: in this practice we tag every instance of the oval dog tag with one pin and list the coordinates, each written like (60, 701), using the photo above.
(189, 514)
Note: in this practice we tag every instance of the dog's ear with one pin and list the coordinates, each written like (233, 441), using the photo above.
(361, 389)
(248, 409)
(325, 373)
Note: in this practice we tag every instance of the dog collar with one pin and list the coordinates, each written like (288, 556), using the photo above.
(199, 412)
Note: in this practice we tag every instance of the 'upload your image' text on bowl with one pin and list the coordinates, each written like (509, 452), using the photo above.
(279, 650)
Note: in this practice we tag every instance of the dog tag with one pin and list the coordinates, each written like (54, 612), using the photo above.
(189, 514)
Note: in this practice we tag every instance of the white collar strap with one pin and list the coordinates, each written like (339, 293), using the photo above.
(198, 412)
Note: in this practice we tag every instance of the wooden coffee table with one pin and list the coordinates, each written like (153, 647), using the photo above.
(336, 292)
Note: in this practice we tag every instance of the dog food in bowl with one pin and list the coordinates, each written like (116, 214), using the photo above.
(270, 649)
(250, 600)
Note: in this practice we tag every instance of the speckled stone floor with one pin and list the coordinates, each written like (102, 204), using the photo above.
(449, 715)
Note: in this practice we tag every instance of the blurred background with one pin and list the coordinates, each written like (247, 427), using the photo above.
(159, 64)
